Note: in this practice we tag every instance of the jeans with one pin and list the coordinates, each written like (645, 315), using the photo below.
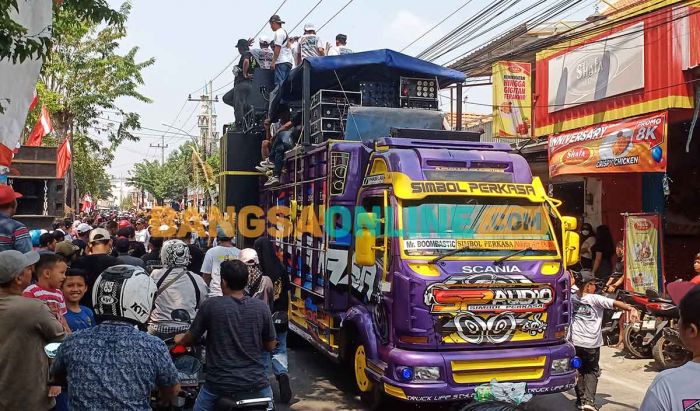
(206, 399)
(588, 373)
(281, 73)
(279, 356)
(241, 92)
(283, 142)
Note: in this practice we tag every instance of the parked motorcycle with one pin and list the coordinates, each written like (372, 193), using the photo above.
(611, 322)
(667, 348)
(189, 361)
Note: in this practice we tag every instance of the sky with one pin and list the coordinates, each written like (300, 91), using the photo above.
(193, 41)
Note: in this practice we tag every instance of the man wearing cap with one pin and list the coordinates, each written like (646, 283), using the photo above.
(97, 260)
(263, 55)
(83, 233)
(281, 53)
(678, 389)
(27, 326)
(67, 250)
(224, 250)
(340, 47)
(309, 44)
(586, 335)
(13, 234)
(243, 81)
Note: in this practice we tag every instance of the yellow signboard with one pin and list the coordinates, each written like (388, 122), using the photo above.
(512, 99)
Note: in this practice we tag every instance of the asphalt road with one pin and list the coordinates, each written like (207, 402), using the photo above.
(321, 385)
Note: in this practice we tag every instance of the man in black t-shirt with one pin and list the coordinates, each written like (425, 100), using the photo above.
(243, 81)
(97, 261)
(152, 257)
(239, 331)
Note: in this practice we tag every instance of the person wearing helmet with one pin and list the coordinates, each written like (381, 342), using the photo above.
(178, 288)
(263, 55)
(27, 326)
(114, 365)
(309, 44)
(13, 234)
(239, 332)
(224, 250)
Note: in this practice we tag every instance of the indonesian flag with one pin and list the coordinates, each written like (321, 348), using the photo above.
(32, 106)
(87, 203)
(63, 158)
(42, 127)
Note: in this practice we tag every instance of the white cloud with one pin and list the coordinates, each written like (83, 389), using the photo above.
(402, 29)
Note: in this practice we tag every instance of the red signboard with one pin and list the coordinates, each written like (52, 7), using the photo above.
(632, 145)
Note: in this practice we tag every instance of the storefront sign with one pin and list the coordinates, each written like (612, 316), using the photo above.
(642, 265)
(607, 67)
(630, 145)
(512, 99)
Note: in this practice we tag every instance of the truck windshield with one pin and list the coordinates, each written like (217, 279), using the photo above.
(482, 226)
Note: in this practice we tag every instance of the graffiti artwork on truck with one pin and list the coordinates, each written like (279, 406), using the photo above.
(476, 328)
(481, 293)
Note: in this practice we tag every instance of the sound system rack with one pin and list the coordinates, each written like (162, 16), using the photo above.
(420, 93)
(329, 109)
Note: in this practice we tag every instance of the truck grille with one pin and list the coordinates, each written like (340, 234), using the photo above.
(502, 369)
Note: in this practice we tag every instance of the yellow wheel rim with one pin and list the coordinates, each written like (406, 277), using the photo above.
(363, 383)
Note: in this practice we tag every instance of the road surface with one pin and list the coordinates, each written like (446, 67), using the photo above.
(321, 385)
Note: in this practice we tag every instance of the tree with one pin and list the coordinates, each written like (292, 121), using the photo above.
(18, 45)
(81, 81)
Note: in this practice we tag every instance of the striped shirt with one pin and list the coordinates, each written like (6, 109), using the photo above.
(53, 298)
(14, 235)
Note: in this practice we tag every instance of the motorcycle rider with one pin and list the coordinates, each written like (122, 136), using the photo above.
(239, 332)
(114, 365)
(178, 288)
(676, 389)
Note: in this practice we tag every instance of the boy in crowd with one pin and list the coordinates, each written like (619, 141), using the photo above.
(677, 389)
(78, 317)
(47, 243)
(50, 273)
(587, 338)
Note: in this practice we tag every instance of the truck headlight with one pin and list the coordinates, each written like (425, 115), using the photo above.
(561, 366)
(426, 373)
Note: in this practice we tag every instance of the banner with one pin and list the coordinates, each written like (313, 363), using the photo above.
(636, 145)
(642, 253)
(512, 99)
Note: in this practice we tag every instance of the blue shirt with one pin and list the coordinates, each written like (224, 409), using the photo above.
(113, 366)
(81, 320)
(14, 235)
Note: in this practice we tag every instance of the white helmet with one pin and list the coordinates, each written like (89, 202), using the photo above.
(124, 292)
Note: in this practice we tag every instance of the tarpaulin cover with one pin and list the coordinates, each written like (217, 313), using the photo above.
(375, 65)
(371, 123)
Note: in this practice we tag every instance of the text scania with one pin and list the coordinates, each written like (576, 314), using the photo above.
(479, 269)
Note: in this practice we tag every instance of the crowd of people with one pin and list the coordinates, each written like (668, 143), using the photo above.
(102, 290)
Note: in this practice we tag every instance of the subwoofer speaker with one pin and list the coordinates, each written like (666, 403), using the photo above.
(240, 181)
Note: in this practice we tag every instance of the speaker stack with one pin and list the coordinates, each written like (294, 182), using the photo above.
(239, 181)
(329, 110)
(421, 93)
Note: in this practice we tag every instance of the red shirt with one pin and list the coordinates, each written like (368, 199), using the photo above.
(52, 297)
(696, 279)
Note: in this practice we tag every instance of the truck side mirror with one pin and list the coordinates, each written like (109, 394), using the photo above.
(571, 248)
(569, 223)
(365, 239)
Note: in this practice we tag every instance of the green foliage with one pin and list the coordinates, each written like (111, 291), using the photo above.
(18, 45)
(89, 167)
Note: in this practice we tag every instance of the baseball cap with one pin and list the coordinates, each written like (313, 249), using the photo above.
(309, 27)
(341, 37)
(249, 256)
(264, 39)
(585, 277)
(276, 19)
(242, 43)
(222, 232)
(8, 194)
(99, 234)
(677, 290)
(12, 262)
(83, 228)
(66, 248)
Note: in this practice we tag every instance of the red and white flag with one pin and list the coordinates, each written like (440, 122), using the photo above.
(63, 158)
(42, 127)
(34, 102)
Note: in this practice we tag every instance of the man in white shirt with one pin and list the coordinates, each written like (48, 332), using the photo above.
(142, 233)
(678, 389)
(340, 47)
(281, 53)
(309, 45)
(588, 308)
(263, 55)
(211, 267)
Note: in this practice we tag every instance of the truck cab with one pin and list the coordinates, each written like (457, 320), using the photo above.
(428, 263)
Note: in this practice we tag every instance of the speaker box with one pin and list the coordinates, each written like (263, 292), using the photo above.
(263, 83)
(40, 197)
(239, 180)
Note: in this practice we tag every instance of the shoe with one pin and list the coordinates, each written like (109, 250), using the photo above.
(272, 181)
(262, 169)
(579, 404)
(285, 388)
(267, 163)
(268, 173)
(590, 407)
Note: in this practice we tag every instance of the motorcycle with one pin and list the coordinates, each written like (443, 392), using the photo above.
(667, 348)
(633, 334)
(189, 361)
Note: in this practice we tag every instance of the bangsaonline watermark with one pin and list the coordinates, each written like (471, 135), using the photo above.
(340, 221)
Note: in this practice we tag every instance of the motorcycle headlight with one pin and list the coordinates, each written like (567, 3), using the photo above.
(561, 366)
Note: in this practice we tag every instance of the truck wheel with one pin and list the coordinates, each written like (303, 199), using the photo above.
(633, 341)
(370, 393)
(669, 354)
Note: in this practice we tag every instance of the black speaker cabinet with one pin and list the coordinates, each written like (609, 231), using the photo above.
(239, 180)
(263, 83)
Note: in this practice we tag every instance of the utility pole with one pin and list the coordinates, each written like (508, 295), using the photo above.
(162, 146)
(207, 123)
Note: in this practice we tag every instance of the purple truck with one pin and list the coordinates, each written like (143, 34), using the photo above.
(429, 265)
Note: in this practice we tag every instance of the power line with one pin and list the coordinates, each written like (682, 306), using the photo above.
(436, 25)
(306, 15)
(334, 16)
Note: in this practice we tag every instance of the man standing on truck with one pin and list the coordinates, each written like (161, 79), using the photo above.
(263, 55)
(243, 82)
(281, 53)
(587, 338)
(340, 48)
(309, 45)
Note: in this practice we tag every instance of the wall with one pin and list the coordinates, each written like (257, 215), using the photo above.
(621, 194)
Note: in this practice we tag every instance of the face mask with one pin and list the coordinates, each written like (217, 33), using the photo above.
(585, 232)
